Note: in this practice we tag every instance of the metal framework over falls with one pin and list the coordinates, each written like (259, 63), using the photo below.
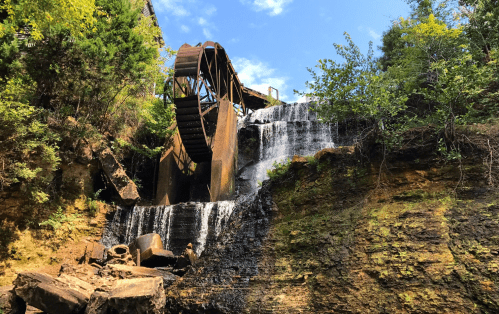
(206, 90)
(204, 77)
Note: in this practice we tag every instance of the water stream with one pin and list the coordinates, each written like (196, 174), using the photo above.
(178, 225)
(281, 132)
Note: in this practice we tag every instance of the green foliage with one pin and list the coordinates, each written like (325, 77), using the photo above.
(271, 102)
(92, 204)
(29, 149)
(278, 169)
(59, 219)
(38, 16)
(96, 68)
(312, 161)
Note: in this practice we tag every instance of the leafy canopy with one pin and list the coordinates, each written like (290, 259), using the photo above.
(35, 17)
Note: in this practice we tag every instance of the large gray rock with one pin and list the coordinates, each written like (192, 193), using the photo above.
(118, 177)
(49, 294)
(10, 303)
(130, 296)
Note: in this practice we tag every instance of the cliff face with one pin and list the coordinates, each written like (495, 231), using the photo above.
(410, 233)
(349, 238)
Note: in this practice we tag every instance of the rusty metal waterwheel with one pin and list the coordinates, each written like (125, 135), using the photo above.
(198, 86)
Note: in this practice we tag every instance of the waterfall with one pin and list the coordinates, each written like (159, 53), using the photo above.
(284, 131)
(178, 225)
(275, 134)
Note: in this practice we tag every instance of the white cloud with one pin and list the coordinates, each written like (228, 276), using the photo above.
(210, 10)
(207, 26)
(373, 34)
(172, 6)
(207, 34)
(202, 21)
(258, 76)
(370, 31)
(275, 7)
(184, 29)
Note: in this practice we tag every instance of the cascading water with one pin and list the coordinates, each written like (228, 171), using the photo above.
(178, 225)
(281, 132)
(275, 134)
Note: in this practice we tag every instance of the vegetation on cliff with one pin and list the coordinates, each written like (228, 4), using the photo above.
(438, 67)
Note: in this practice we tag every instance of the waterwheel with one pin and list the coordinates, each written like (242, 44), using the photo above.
(199, 83)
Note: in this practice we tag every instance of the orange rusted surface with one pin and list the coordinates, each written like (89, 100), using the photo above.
(224, 160)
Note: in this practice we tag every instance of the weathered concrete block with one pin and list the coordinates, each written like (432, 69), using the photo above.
(120, 254)
(10, 303)
(48, 294)
(153, 257)
(130, 296)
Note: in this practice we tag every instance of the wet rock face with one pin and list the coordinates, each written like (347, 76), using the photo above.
(218, 282)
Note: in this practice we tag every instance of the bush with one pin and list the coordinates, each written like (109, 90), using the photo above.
(278, 169)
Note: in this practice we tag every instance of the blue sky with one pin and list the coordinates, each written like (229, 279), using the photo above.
(272, 42)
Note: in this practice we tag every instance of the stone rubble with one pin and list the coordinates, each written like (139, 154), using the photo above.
(110, 284)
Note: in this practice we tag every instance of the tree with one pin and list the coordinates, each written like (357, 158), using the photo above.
(353, 88)
(34, 17)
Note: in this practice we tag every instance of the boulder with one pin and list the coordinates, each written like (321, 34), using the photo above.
(98, 303)
(137, 296)
(95, 253)
(117, 176)
(187, 258)
(48, 294)
(130, 272)
(189, 252)
(144, 242)
(10, 303)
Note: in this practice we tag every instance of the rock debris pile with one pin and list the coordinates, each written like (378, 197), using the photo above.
(106, 281)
